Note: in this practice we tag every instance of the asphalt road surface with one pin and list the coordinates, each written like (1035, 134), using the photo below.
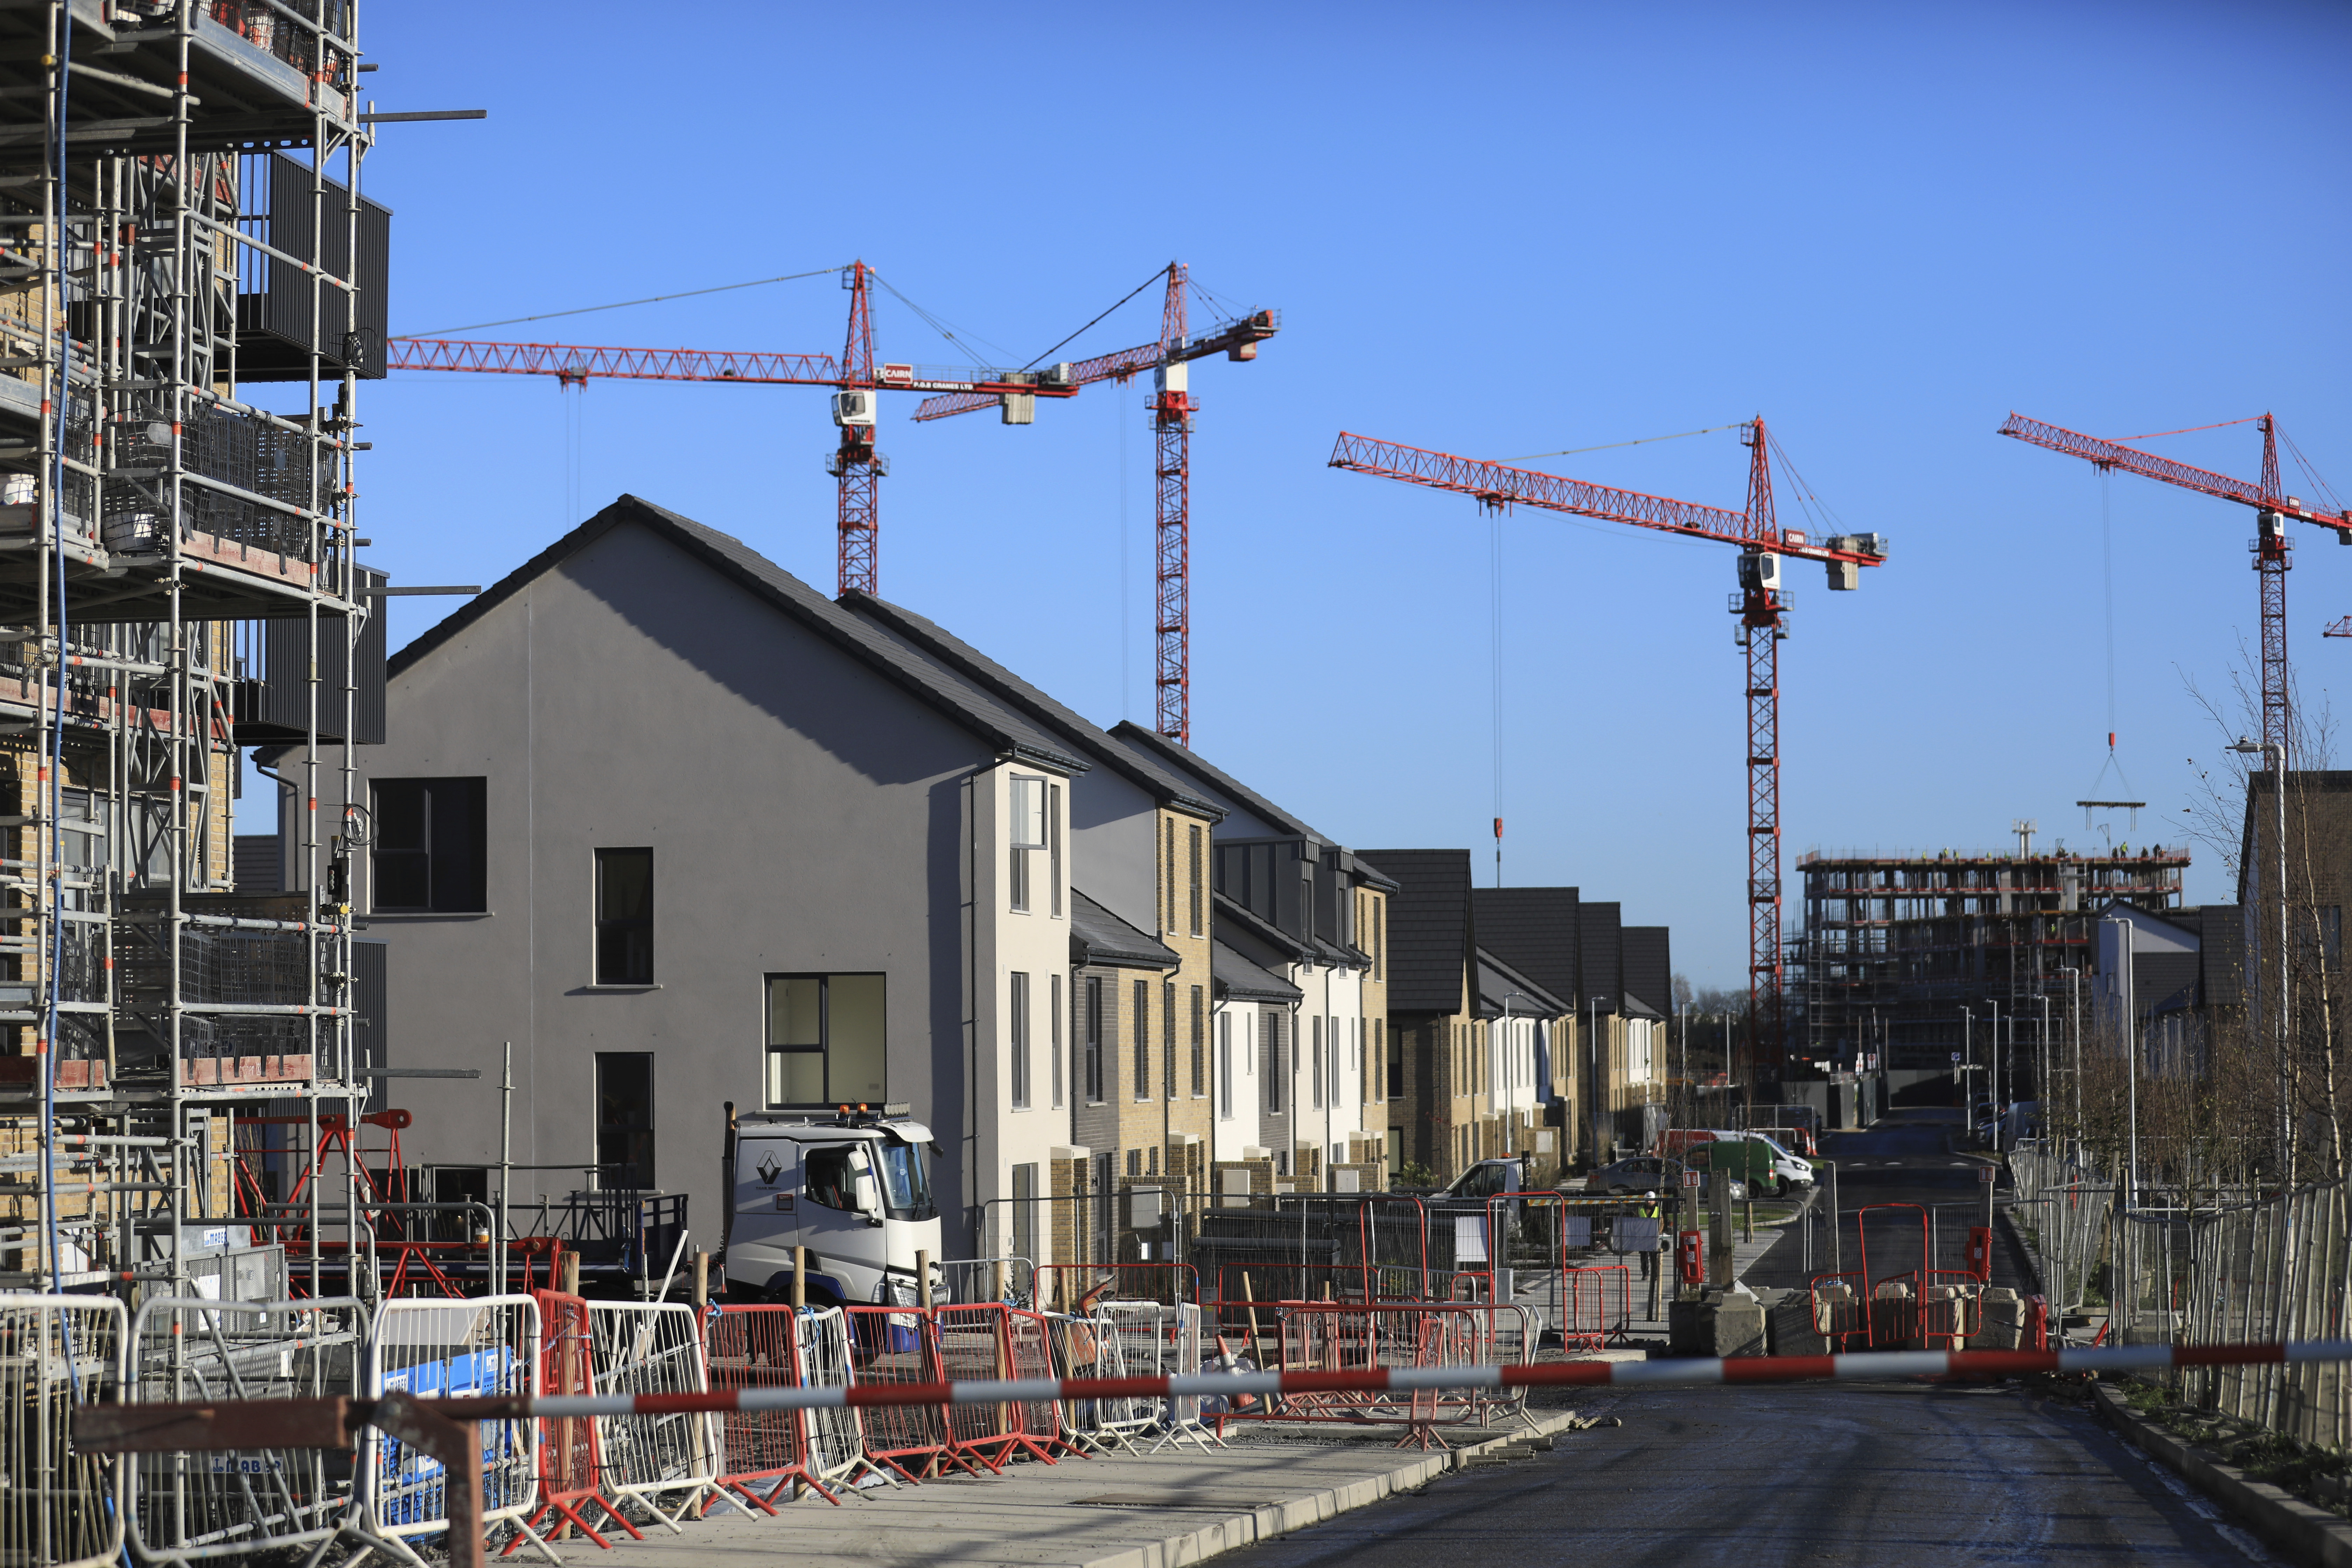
(1908, 1475)
(1905, 1474)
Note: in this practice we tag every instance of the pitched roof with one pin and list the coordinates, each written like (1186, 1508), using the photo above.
(738, 562)
(1169, 753)
(1649, 966)
(1599, 965)
(1499, 983)
(935, 642)
(1224, 910)
(1430, 934)
(1533, 930)
(1099, 936)
(1243, 981)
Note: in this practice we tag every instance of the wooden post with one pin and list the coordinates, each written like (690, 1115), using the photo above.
(800, 1279)
(701, 1282)
(997, 1280)
(923, 1280)
(570, 1275)
(1719, 1229)
(1250, 1298)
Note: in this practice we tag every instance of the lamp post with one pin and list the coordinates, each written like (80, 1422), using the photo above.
(2074, 994)
(1992, 1075)
(2276, 755)
(1593, 1005)
(1968, 1065)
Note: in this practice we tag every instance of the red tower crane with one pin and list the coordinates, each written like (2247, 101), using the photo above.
(1172, 409)
(856, 466)
(2270, 544)
(1761, 605)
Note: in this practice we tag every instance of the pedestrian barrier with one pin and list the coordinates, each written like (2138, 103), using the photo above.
(567, 1457)
(891, 1346)
(487, 1348)
(1596, 1305)
(1078, 1350)
(975, 1343)
(193, 1507)
(1029, 1336)
(60, 1501)
(1156, 1340)
(1352, 1340)
(759, 1347)
(645, 1347)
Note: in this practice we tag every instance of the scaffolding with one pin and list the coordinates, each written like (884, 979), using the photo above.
(1893, 947)
(191, 289)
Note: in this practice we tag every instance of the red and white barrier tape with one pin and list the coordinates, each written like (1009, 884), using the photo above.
(1745, 1369)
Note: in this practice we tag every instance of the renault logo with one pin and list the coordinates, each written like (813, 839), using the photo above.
(768, 1170)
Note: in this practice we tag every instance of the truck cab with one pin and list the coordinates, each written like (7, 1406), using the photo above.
(852, 1186)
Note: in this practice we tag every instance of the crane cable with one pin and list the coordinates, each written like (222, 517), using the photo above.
(620, 304)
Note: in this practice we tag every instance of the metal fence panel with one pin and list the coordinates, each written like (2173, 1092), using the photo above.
(58, 1509)
(653, 1347)
(485, 1347)
(189, 1507)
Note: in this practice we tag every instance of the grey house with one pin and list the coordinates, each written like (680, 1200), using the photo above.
(686, 833)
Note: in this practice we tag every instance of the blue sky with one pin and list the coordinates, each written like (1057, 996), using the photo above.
(1497, 230)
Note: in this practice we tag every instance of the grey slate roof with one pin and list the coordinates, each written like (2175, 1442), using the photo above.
(1649, 966)
(738, 562)
(1226, 911)
(1429, 932)
(1099, 936)
(1499, 983)
(1534, 931)
(1600, 956)
(936, 643)
(1168, 754)
(1243, 981)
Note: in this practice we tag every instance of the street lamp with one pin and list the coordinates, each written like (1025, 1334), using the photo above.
(1992, 1084)
(2074, 990)
(1968, 1065)
(2279, 1002)
(1593, 1005)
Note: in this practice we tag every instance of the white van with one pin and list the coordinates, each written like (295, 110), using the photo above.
(852, 1186)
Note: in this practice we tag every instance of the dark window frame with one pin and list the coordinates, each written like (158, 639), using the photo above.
(822, 1048)
(445, 869)
(614, 961)
(1141, 1024)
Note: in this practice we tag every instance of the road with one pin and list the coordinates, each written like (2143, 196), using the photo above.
(1907, 1474)
(1807, 1475)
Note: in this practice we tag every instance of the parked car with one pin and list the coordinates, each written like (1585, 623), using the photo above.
(1648, 1174)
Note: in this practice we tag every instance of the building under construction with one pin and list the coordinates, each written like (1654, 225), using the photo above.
(191, 289)
(1893, 948)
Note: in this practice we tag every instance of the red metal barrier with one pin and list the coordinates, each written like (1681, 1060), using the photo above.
(1029, 1341)
(757, 1347)
(975, 1344)
(1585, 1319)
(893, 1346)
(2037, 1323)
(568, 1458)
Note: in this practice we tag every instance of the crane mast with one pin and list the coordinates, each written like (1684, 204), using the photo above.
(1761, 604)
(2271, 547)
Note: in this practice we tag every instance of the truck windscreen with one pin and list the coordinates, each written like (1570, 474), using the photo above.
(906, 1182)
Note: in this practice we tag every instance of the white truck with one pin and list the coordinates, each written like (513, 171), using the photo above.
(852, 1186)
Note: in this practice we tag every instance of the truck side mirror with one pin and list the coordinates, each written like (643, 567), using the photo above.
(869, 1199)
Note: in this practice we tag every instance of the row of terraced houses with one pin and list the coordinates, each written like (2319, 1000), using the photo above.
(683, 833)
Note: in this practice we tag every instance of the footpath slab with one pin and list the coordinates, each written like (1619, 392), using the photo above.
(1152, 1510)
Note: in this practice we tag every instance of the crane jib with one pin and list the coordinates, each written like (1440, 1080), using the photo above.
(1498, 484)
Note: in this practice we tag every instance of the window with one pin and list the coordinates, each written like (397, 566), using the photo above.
(1167, 1038)
(1142, 1029)
(1020, 1022)
(624, 1119)
(1198, 890)
(625, 916)
(1135, 1162)
(1025, 1210)
(1054, 1010)
(1200, 1041)
(430, 846)
(1356, 1061)
(1380, 939)
(1269, 1025)
(1025, 832)
(1093, 1040)
(826, 1039)
(1170, 880)
(1224, 1067)
(1053, 851)
(1315, 1058)
(829, 1176)
(1393, 1050)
